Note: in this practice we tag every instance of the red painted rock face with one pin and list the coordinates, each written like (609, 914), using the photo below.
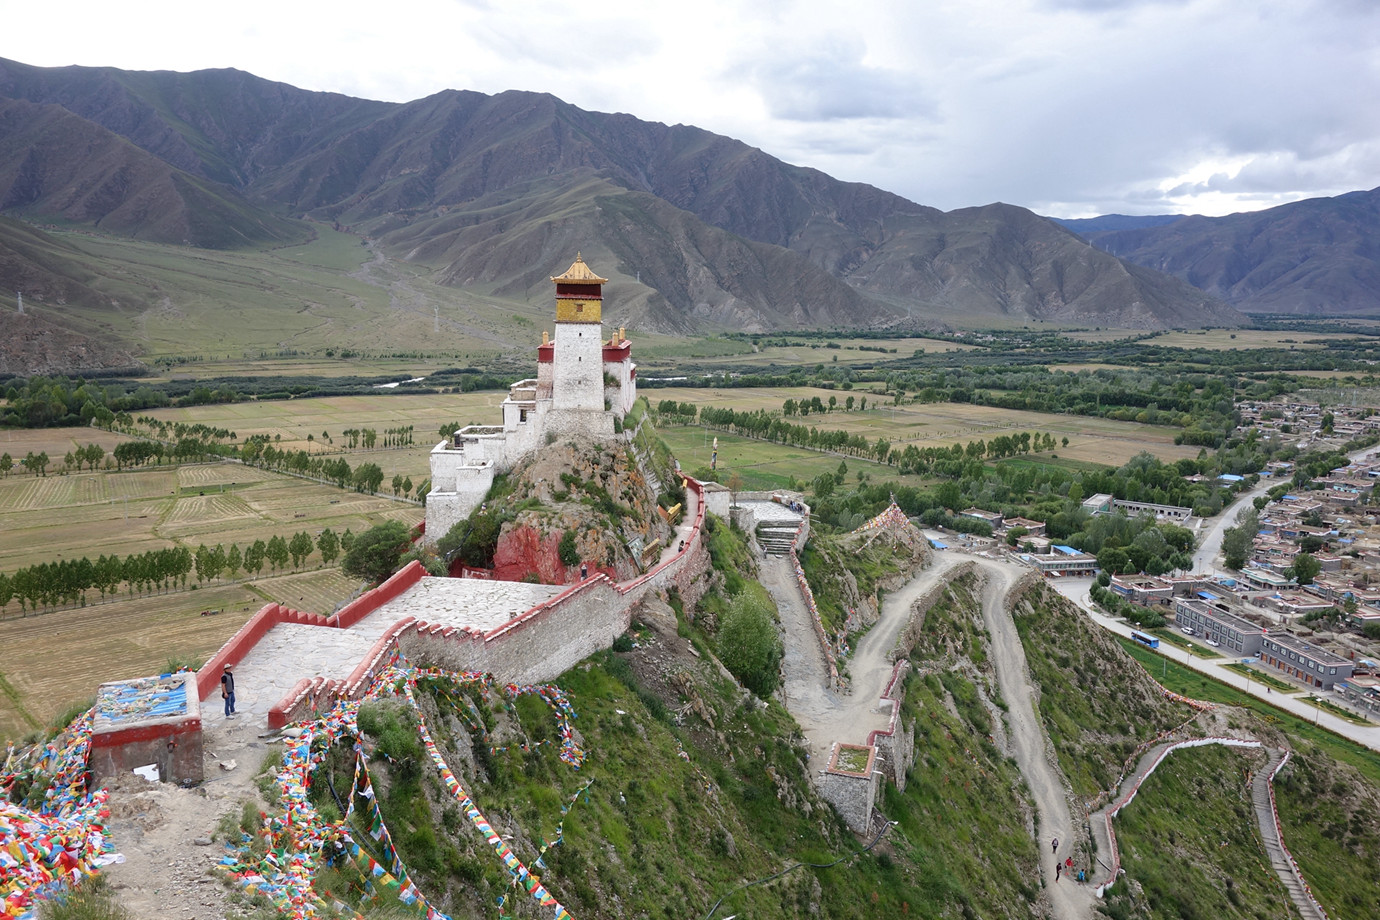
(522, 551)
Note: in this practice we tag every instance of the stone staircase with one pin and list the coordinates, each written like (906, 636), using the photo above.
(775, 539)
(1262, 800)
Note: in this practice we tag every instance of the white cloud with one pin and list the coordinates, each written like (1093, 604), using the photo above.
(1066, 106)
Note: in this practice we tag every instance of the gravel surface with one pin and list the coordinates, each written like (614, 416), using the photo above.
(827, 717)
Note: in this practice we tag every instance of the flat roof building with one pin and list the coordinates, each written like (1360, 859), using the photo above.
(1314, 666)
(1226, 629)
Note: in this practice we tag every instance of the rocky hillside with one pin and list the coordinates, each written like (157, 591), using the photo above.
(592, 497)
(1319, 257)
(33, 345)
(700, 231)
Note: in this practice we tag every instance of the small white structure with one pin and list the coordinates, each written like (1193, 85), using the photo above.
(583, 383)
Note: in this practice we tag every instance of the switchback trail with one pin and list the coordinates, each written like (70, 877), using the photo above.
(1262, 803)
(829, 717)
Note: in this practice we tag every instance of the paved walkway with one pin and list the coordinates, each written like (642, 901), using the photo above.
(684, 529)
(290, 652)
(1104, 833)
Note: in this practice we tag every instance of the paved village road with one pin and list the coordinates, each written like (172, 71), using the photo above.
(1076, 590)
(827, 717)
(1210, 539)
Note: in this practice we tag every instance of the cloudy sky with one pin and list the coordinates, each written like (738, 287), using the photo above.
(1069, 107)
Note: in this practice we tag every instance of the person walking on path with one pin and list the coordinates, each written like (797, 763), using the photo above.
(1058, 869)
(1054, 847)
(227, 690)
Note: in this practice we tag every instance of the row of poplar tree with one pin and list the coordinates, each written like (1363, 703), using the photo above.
(69, 581)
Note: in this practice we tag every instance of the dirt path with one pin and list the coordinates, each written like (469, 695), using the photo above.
(164, 832)
(827, 716)
(1069, 899)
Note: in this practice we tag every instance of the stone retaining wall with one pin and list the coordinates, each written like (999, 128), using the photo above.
(536, 647)
(905, 641)
(895, 744)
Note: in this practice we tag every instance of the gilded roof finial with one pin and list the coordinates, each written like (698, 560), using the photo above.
(545, 337)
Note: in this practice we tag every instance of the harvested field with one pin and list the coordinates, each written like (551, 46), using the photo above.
(55, 441)
(123, 513)
(57, 660)
(1227, 340)
(292, 420)
(1092, 440)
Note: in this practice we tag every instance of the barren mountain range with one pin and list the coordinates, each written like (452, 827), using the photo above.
(698, 231)
(1319, 257)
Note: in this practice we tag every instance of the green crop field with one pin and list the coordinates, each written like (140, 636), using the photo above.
(764, 465)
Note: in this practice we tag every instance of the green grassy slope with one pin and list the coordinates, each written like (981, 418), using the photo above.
(1203, 860)
(1095, 704)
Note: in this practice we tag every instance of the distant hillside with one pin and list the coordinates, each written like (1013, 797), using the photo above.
(1087, 225)
(1319, 257)
(489, 192)
(57, 166)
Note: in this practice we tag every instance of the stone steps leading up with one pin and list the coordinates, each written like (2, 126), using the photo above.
(775, 540)
(1269, 832)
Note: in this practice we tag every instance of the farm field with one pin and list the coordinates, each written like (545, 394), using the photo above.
(57, 660)
(56, 441)
(89, 514)
(1228, 340)
(761, 464)
(707, 353)
(1091, 440)
(291, 420)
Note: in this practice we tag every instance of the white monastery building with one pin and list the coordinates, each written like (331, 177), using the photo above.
(583, 383)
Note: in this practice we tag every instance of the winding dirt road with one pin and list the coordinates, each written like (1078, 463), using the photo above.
(827, 717)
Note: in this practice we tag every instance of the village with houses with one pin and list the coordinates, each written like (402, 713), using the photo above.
(1319, 630)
